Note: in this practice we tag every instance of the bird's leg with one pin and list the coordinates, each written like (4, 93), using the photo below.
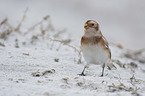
(82, 74)
(103, 70)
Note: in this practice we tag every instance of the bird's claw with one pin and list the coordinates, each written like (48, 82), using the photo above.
(101, 75)
(82, 74)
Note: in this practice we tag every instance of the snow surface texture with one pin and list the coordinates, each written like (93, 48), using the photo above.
(45, 62)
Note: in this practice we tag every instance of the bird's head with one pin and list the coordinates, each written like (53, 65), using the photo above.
(91, 28)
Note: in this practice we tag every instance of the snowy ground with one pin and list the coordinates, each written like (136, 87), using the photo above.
(44, 62)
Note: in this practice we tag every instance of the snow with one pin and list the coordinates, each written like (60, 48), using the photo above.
(17, 79)
(43, 67)
(44, 62)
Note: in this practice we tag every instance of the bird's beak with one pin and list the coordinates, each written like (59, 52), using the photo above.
(86, 26)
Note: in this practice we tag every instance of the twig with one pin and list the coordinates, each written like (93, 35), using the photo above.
(139, 52)
(113, 88)
(17, 29)
(4, 21)
(6, 29)
(65, 42)
(58, 33)
(42, 72)
(118, 45)
(39, 23)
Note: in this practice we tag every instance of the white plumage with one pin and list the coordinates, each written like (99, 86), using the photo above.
(94, 54)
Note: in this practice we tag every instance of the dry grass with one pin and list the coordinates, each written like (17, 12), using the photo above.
(46, 32)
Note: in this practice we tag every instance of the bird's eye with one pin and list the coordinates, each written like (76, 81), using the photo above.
(92, 24)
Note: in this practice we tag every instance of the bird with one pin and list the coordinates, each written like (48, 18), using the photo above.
(94, 46)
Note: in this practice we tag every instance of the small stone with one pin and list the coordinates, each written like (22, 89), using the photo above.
(142, 61)
(133, 64)
(56, 60)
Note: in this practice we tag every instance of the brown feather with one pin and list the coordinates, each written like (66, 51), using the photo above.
(96, 40)
(91, 40)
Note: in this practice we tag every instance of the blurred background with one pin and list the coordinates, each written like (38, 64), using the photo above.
(121, 21)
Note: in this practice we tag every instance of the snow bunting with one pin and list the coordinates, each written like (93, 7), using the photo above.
(94, 46)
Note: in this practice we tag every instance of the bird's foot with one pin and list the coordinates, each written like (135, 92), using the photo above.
(101, 75)
(82, 74)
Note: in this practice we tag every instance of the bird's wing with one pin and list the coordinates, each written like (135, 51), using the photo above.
(107, 45)
(105, 40)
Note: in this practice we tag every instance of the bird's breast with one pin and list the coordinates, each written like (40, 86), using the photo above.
(94, 54)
